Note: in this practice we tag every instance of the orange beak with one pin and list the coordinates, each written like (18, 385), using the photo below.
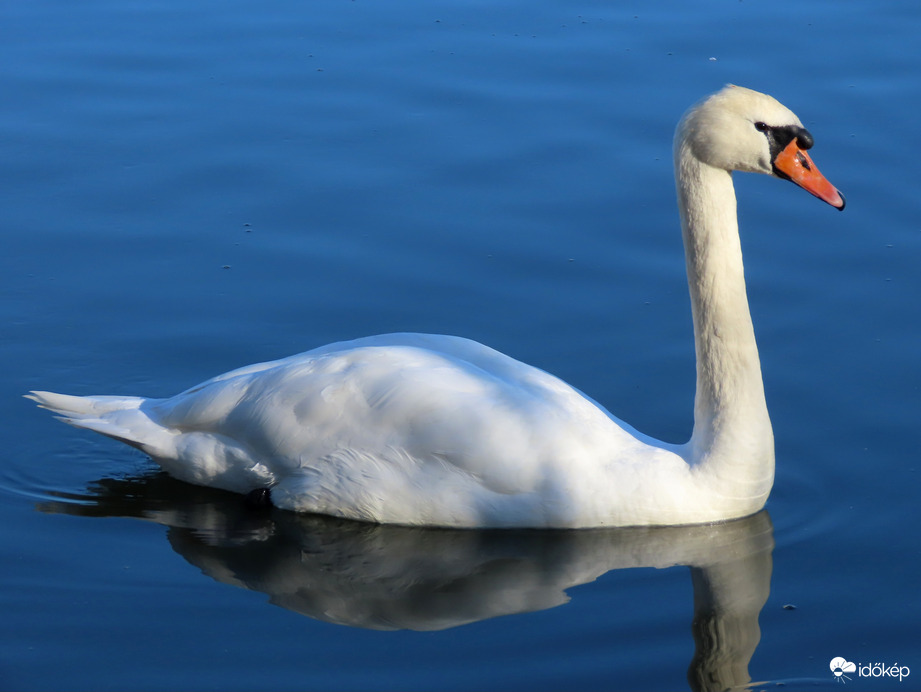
(794, 163)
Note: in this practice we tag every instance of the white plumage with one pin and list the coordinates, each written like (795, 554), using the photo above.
(443, 431)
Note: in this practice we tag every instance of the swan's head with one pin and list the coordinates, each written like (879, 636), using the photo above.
(738, 129)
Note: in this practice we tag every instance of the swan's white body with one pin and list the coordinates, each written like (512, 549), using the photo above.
(443, 431)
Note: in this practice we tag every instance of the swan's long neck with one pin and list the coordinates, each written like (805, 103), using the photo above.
(732, 444)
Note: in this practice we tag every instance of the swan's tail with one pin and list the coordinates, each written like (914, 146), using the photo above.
(118, 417)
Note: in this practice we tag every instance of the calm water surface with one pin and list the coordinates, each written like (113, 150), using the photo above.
(187, 188)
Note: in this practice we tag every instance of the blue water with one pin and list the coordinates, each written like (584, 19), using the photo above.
(187, 188)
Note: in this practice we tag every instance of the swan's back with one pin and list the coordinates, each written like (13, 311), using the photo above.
(401, 428)
(410, 428)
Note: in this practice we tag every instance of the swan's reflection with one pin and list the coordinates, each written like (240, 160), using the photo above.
(384, 577)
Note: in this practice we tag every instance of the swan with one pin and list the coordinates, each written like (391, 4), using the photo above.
(433, 430)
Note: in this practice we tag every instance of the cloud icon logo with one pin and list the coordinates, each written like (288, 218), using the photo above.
(839, 666)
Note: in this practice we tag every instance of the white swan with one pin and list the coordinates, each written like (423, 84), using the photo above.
(442, 431)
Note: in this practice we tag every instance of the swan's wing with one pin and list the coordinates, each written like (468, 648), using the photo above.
(400, 418)
(431, 397)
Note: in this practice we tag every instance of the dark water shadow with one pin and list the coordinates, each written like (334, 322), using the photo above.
(388, 578)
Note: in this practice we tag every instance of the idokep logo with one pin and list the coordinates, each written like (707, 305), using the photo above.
(841, 666)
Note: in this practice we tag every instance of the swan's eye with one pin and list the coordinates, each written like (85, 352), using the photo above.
(761, 127)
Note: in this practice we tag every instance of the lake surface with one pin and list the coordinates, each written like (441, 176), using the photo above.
(187, 188)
